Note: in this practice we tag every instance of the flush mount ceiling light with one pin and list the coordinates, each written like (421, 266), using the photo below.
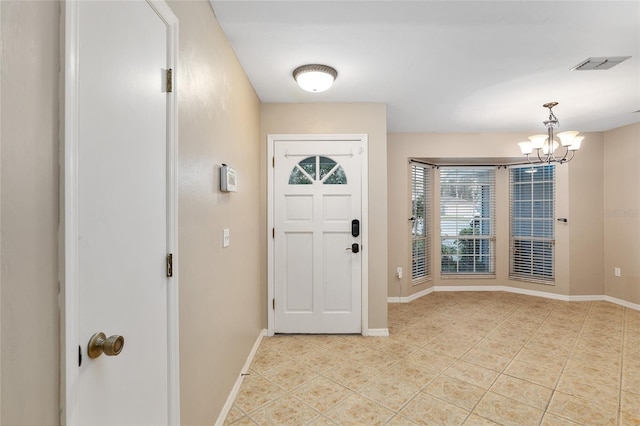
(545, 146)
(314, 77)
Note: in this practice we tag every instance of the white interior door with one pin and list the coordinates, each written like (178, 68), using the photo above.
(317, 189)
(119, 212)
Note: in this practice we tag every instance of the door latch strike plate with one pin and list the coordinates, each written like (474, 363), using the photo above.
(169, 80)
(170, 265)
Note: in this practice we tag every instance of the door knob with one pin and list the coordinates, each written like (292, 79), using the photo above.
(99, 344)
(355, 248)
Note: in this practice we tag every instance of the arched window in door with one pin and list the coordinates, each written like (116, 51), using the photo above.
(317, 169)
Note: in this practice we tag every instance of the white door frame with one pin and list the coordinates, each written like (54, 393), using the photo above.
(68, 233)
(271, 140)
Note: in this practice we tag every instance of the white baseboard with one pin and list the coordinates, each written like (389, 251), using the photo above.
(378, 332)
(593, 298)
(547, 295)
(621, 302)
(470, 288)
(410, 298)
(236, 387)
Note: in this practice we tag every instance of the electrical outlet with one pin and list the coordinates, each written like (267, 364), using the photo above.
(399, 272)
(616, 272)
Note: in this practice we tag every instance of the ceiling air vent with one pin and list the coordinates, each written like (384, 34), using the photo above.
(600, 63)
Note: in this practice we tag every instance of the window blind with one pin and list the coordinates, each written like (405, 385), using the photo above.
(420, 222)
(467, 220)
(532, 227)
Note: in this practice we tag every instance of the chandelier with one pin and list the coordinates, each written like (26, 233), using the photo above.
(547, 146)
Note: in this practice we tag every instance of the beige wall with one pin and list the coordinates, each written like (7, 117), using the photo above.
(369, 119)
(403, 146)
(222, 294)
(586, 226)
(221, 304)
(622, 212)
(29, 213)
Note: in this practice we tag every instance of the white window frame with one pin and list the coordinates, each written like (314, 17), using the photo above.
(485, 217)
(421, 189)
(532, 213)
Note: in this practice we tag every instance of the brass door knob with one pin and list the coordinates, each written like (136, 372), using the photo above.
(99, 344)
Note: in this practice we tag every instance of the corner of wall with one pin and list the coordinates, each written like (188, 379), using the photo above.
(621, 213)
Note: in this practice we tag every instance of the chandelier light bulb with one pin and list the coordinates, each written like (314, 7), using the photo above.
(525, 147)
(576, 143)
(537, 141)
(566, 138)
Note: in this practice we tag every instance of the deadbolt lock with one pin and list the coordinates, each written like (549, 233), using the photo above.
(99, 344)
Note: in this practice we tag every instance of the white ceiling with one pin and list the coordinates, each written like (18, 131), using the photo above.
(448, 66)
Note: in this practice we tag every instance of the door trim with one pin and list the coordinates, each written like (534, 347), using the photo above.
(271, 140)
(68, 229)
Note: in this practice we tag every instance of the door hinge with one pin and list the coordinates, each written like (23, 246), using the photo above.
(273, 303)
(273, 232)
(170, 265)
(273, 161)
(169, 80)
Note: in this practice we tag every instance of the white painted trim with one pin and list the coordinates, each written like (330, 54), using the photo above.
(271, 139)
(271, 282)
(1, 71)
(411, 297)
(377, 332)
(364, 232)
(587, 298)
(69, 413)
(236, 387)
(621, 302)
(508, 289)
(516, 290)
(69, 405)
(173, 329)
(469, 288)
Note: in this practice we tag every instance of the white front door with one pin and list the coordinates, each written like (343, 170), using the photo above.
(119, 212)
(317, 190)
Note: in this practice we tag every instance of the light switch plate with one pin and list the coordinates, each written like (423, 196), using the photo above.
(226, 240)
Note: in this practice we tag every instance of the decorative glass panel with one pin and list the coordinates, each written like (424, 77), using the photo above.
(336, 178)
(309, 166)
(326, 166)
(297, 177)
(317, 168)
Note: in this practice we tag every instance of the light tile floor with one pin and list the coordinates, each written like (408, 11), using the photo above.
(456, 358)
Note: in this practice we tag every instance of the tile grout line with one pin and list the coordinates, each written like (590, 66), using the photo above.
(564, 364)
(590, 318)
(513, 358)
(622, 351)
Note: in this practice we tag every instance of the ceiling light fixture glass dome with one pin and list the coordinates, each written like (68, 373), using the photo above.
(315, 77)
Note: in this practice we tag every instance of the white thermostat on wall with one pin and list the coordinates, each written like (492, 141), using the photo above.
(228, 182)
